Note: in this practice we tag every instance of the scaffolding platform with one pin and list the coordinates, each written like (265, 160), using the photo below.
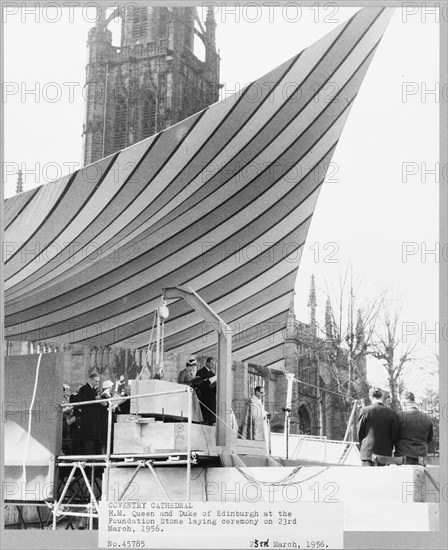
(122, 460)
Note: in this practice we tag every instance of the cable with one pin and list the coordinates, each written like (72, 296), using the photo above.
(269, 483)
(198, 476)
(281, 482)
(162, 341)
(233, 430)
(324, 389)
(148, 348)
(202, 425)
(28, 435)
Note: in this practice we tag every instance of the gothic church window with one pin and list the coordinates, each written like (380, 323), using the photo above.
(143, 22)
(304, 420)
(148, 116)
(163, 17)
(323, 406)
(136, 25)
(305, 370)
(120, 123)
(140, 23)
(186, 104)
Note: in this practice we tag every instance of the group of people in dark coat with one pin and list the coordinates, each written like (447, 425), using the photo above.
(383, 431)
(88, 434)
(85, 427)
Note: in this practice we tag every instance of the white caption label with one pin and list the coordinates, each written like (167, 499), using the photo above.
(138, 524)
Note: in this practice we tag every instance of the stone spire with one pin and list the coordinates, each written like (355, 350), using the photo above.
(19, 186)
(360, 335)
(312, 303)
(328, 320)
(210, 25)
(291, 320)
(100, 16)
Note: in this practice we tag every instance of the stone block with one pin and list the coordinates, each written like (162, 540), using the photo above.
(159, 437)
(171, 405)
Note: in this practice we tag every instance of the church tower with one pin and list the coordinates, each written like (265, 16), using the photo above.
(153, 80)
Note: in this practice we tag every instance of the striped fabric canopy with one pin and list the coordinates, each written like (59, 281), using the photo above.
(221, 202)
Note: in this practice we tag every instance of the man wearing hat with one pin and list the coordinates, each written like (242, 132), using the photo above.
(206, 390)
(415, 431)
(186, 375)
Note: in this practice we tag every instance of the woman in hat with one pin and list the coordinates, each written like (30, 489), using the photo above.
(186, 376)
(107, 391)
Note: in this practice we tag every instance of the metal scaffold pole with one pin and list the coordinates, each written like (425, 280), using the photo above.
(287, 409)
(190, 412)
(108, 448)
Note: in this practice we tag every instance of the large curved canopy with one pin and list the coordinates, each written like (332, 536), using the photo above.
(221, 202)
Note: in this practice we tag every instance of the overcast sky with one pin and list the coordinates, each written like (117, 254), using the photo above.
(379, 206)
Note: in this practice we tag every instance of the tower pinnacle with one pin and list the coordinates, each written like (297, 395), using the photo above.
(328, 320)
(312, 303)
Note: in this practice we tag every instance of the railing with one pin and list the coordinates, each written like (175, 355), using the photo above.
(138, 51)
(317, 448)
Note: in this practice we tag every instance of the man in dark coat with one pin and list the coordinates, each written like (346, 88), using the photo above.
(77, 446)
(415, 431)
(206, 391)
(89, 424)
(68, 419)
(107, 392)
(377, 428)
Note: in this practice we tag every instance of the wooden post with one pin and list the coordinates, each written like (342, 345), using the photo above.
(190, 414)
(108, 449)
(224, 371)
(224, 392)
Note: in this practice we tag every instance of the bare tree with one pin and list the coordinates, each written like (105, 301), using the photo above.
(389, 348)
(342, 344)
(430, 404)
(349, 328)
